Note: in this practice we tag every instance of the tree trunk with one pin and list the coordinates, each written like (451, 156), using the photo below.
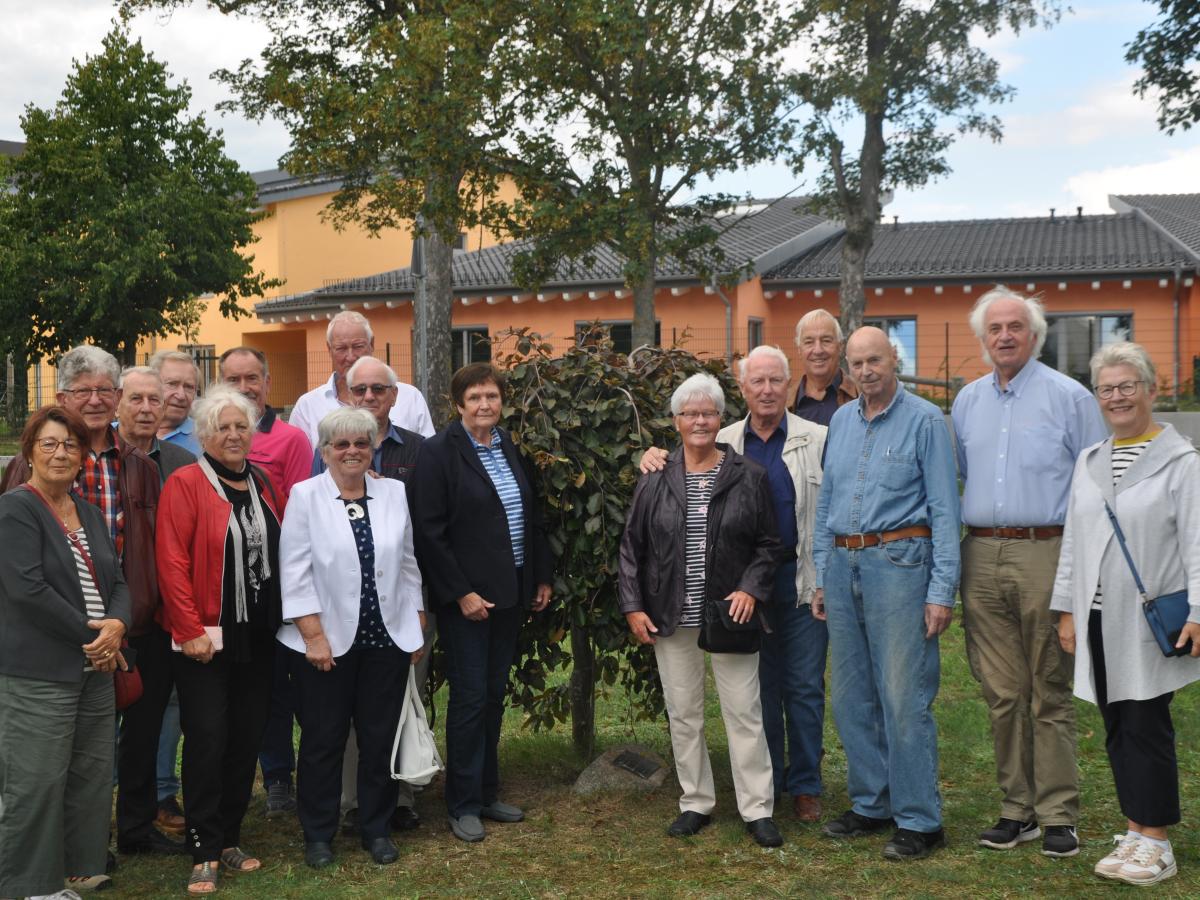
(439, 304)
(583, 690)
(852, 297)
(643, 309)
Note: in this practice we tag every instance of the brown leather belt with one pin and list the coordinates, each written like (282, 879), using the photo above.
(1036, 533)
(859, 541)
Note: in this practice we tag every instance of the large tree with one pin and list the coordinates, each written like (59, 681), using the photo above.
(627, 105)
(891, 84)
(123, 210)
(1169, 51)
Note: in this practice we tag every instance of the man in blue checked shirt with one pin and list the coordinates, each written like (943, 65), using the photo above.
(886, 555)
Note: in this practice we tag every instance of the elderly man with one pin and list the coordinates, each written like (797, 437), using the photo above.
(181, 380)
(823, 386)
(124, 483)
(1018, 431)
(791, 670)
(886, 556)
(349, 338)
(140, 411)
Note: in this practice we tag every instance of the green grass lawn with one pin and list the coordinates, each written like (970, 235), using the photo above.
(615, 845)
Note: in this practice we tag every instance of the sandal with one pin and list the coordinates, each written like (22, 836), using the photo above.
(235, 860)
(203, 879)
(89, 883)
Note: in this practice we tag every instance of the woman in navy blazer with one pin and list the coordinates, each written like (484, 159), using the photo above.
(353, 617)
(484, 554)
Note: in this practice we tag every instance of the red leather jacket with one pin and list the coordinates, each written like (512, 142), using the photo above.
(139, 484)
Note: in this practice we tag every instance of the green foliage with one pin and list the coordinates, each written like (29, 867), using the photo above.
(1168, 52)
(123, 211)
(585, 418)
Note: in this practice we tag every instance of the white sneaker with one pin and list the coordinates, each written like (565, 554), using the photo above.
(1123, 852)
(1150, 863)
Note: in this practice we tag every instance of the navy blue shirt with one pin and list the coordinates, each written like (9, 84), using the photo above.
(819, 411)
(769, 455)
(371, 630)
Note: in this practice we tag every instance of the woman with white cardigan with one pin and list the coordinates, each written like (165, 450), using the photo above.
(1149, 475)
(353, 619)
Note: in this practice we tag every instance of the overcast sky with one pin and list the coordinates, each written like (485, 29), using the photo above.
(1073, 135)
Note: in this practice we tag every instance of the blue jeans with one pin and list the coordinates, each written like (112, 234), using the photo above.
(885, 678)
(791, 679)
(168, 750)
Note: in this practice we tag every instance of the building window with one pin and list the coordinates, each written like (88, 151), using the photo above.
(205, 356)
(469, 345)
(1072, 339)
(902, 332)
(621, 333)
(460, 242)
(754, 333)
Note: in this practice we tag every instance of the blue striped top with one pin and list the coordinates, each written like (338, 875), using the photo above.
(495, 463)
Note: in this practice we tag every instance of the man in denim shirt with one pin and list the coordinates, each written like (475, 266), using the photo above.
(886, 555)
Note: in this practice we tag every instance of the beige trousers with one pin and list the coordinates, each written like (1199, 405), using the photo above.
(681, 668)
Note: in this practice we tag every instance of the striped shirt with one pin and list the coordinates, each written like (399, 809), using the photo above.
(92, 602)
(699, 492)
(1125, 452)
(495, 463)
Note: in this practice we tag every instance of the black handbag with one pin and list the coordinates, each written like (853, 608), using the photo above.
(719, 633)
(1166, 615)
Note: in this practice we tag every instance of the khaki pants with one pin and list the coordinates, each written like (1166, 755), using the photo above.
(681, 668)
(1013, 650)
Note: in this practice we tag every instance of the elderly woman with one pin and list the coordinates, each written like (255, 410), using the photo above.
(218, 565)
(1149, 475)
(699, 532)
(353, 611)
(485, 558)
(64, 609)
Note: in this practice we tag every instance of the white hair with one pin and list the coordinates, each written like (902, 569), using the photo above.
(162, 356)
(86, 360)
(346, 420)
(1034, 310)
(352, 380)
(1125, 353)
(140, 370)
(700, 385)
(349, 317)
(816, 315)
(768, 351)
(208, 409)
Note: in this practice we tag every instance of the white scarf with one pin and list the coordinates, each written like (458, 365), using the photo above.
(235, 532)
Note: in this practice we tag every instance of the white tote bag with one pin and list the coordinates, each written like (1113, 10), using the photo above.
(415, 756)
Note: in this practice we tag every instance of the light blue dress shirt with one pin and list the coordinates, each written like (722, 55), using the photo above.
(1017, 447)
(888, 473)
(184, 435)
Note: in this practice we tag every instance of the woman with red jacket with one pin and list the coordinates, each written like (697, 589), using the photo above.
(218, 567)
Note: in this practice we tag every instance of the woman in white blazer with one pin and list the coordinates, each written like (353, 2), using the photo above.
(353, 620)
(1149, 475)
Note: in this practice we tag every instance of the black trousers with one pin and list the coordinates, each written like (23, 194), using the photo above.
(223, 709)
(137, 748)
(366, 686)
(479, 656)
(1140, 739)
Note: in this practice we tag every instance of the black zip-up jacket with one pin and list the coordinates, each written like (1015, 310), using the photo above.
(743, 548)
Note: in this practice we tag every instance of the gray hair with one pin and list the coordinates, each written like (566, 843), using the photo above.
(815, 315)
(253, 351)
(391, 375)
(139, 370)
(699, 385)
(208, 409)
(162, 356)
(1033, 309)
(1125, 353)
(343, 421)
(349, 317)
(768, 351)
(86, 360)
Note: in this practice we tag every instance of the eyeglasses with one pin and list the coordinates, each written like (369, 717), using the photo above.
(360, 390)
(344, 445)
(50, 446)
(85, 393)
(1125, 389)
(691, 415)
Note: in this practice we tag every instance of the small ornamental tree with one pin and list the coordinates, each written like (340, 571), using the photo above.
(585, 418)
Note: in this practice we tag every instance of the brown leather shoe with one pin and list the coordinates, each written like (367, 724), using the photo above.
(808, 807)
(170, 816)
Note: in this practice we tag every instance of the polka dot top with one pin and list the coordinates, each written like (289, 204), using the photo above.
(371, 630)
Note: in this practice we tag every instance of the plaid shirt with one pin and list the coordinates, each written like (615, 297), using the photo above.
(97, 484)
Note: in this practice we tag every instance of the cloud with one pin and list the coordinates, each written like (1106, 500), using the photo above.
(1105, 110)
(1175, 174)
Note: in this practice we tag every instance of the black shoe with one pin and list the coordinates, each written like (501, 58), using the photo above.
(154, 841)
(382, 850)
(1060, 841)
(906, 844)
(1007, 833)
(850, 824)
(405, 818)
(688, 824)
(318, 854)
(350, 821)
(765, 833)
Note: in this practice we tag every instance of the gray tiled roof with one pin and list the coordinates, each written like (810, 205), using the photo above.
(998, 248)
(11, 148)
(277, 185)
(1176, 214)
(770, 233)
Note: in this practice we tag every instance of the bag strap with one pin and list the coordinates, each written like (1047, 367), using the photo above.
(405, 711)
(1137, 579)
(78, 544)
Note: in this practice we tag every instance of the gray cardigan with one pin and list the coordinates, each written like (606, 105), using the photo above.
(1157, 502)
(43, 622)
